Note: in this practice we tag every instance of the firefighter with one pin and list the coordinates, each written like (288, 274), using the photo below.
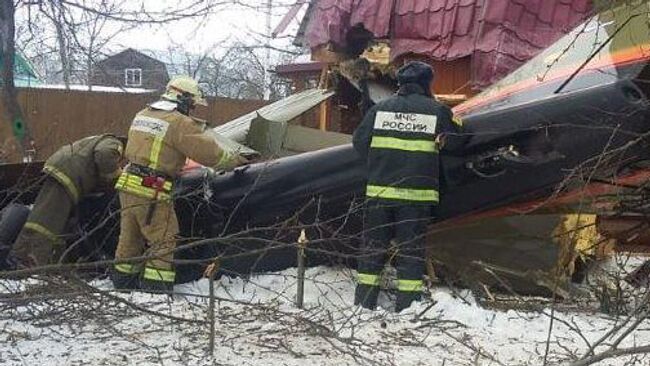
(400, 139)
(161, 137)
(75, 170)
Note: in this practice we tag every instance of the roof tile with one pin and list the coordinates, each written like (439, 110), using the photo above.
(545, 14)
(498, 34)
(562, 16)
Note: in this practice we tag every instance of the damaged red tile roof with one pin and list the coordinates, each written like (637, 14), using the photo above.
(499, 34)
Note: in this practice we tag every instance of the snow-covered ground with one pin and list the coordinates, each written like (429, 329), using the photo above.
(257, 324)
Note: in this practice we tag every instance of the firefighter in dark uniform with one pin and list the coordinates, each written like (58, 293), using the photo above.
(400, 139)
(75, 170)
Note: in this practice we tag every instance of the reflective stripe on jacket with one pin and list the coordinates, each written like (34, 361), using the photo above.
(137, 186)
(398, 138)
(161, 138)
(82, 165)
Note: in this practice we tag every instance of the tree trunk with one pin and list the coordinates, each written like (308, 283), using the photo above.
(89, 67)
(12, 112)
(57, 19)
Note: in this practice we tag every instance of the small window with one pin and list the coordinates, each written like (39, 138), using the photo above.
(133, 77)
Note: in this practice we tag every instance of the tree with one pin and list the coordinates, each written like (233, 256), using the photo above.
(7, 53)
(239, 73)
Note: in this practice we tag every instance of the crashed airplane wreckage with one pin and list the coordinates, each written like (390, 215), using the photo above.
(566, 132)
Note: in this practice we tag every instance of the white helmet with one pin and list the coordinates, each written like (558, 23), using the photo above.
(184, 84)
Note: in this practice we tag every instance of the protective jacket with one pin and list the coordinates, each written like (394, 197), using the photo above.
(160, 140)
(399, 139)
(74, 171)
(84, 164)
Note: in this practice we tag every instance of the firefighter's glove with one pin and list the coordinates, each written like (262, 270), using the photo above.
(234, 162)
(241, 160)
(106, 183)
(441, 140)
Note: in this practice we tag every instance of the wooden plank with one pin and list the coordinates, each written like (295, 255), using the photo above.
(324, 106)
(322, 121)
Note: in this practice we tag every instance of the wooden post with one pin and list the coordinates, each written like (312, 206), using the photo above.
(323, 84)
(300, 293)
(211, 271)
(431, 273)
(322, 124)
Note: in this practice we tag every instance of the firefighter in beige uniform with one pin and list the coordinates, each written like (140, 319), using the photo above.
(73, 171)
(161, 137)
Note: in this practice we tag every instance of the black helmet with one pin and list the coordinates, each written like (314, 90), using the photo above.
(416, 72)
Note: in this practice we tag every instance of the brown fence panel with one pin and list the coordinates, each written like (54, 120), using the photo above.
(57, 117)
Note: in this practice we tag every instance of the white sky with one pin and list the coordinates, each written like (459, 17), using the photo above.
(216, 31)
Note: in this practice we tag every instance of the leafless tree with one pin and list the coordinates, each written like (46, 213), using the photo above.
(180, 60)
(239, 73)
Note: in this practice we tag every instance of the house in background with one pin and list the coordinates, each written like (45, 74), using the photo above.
(131, 69)
(303, 72)
(470, 43)
(24, 73)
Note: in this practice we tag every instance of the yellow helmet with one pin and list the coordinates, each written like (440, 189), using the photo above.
(184, 84)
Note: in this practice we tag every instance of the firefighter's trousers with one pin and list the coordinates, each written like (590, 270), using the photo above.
(155, 239)
(406, 224)
(40, 241)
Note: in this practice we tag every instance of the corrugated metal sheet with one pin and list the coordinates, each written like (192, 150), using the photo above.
(443, 30)
(330, 20)
(519, 31)
(281, 111)
(499, 34)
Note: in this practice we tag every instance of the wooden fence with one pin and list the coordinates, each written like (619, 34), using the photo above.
(57, 117)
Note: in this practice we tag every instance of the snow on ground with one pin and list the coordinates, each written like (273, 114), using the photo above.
(257, 324)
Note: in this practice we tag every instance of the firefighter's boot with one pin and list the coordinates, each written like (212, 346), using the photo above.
(156, 287)
(405, 299)
(124, 281)
(366, 296)
(157, 280)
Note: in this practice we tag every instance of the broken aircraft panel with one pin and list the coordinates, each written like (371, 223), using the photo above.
(277, 139)
(281, 111)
